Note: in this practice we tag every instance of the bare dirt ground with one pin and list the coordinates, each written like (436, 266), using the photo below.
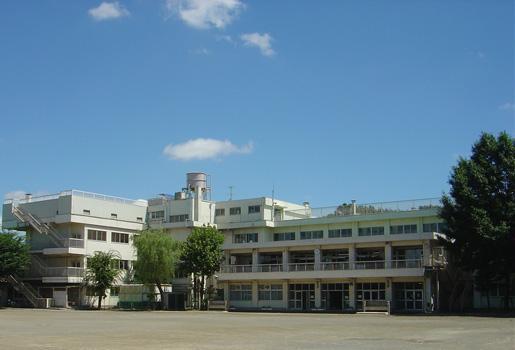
(70, 329)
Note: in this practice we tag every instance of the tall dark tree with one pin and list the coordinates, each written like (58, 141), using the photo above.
(14, 254)
(202, 256)
(480, 212)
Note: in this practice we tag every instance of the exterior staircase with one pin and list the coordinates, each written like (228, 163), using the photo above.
(30, 293)
(41, 227)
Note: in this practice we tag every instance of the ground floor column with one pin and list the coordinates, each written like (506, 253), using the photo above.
(226, 293)
(285, 295)
(254, 293)
(388, 292)
(318, 295)
(352, 294)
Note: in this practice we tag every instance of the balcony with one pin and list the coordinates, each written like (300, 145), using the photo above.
(332, 266)
(64, 272)
(358, 269)
(301, 267)
(250, 268)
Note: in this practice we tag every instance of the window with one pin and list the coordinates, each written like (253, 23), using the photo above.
(119, 237)
(160, 214)
(240, 292)
(254, 209)
(86, 212)
(342, 232)
(114, 216)
(114, 291)
(270, 292)
(434, 227)
(245, 238)
(371, 231)
(139, 218)
(97, 235)
(179, 218)
(312, 234)
(220, 212)
(400, 229)
(121, 264)
(235, 211)
(370, 291)
(284, 236)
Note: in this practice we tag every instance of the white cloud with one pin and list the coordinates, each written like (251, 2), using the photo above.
(108, 10)
(204, 149)
(205, 14)
(262, 41)
(508, 106)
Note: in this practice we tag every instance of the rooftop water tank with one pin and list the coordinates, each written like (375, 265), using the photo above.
(196, 180)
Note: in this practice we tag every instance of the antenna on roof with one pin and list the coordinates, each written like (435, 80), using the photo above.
(273, 202)
(230, 192)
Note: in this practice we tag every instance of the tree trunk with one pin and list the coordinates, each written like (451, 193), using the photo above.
(202, 292)
(161, 293)
(99, 302)
(195, 291)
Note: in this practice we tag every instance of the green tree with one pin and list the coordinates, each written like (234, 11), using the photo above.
(480, 212)
(158, 256)
(101, 273)
(202, 256)
(14, 254)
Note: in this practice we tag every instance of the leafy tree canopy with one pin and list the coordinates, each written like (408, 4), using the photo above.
(202, 253)
(14, 254)
(480, 210)
(101, 273)
(158, 256)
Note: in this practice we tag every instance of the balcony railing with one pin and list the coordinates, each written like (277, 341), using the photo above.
(328, 266)
(269, 268)
(406, 264)
(301, 267)
(370, 265)
(64, 272)
(237, 268)
(331, 266)
(73, 243)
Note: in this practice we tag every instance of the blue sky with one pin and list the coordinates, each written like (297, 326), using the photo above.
(325, 100)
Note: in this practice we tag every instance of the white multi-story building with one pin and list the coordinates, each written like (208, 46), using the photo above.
(64, 229)
(278, 255)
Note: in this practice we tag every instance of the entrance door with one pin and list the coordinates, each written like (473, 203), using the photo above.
(301, 296)
(335, 300)
(413, 299)
(409, 296)
(176, 301)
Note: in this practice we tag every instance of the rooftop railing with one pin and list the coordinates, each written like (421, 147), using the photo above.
(361, 209)
(77, 193)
